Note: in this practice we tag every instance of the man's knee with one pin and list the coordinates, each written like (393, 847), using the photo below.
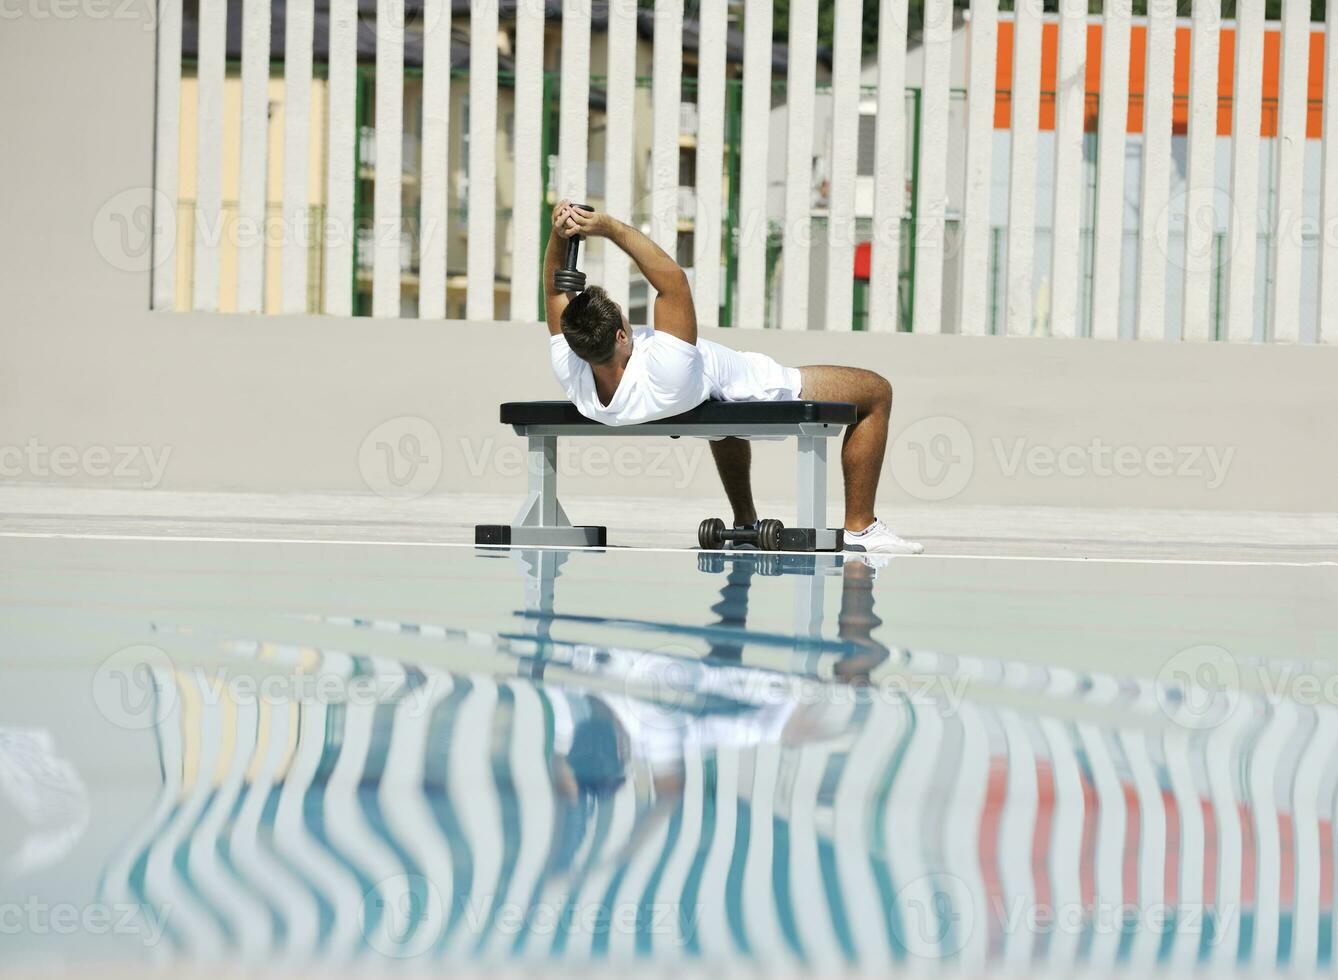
(885, 391)
(880, 392)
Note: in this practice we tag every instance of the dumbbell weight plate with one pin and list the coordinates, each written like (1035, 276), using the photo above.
(769, 534)
(711, 534)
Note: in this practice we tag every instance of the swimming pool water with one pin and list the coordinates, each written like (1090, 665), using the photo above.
(303, 754)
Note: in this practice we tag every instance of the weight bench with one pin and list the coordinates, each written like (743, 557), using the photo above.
(542, 521)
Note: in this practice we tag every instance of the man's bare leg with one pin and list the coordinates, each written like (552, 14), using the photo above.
(734, 461)
(865, 442)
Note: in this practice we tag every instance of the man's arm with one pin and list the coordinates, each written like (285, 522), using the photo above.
(556, 300)
(674, 310)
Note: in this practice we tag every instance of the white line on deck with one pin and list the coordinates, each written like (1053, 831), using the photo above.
(197, 539)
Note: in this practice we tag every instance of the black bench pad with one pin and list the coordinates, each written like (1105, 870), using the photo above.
(707, 413)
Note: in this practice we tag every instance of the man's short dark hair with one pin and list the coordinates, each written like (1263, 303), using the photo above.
(591, 323)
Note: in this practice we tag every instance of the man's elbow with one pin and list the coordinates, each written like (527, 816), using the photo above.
(676, 284)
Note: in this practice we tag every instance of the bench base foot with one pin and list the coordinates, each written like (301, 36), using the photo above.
(510, 535)
(812, 539)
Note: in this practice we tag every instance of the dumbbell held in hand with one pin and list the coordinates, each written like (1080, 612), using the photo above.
(567, 278)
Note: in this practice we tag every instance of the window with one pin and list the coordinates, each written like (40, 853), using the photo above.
(868, 131)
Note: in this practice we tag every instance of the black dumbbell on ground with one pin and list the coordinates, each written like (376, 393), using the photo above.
(713, 534)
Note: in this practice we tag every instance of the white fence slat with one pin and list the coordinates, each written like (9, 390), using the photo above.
(1155, 195)
(1271, 743)
(209, 155)
(1070, 102)
(167, 101)
(753, 225)
(481, 253)
(1242, 243)
(688, 848)
(1327, 329)
(574, 124)
(1112, 818)
(799, 163)
(889, 167)
(714, 936)
(983, 44)
(666, 96)
(1180, 771)
(1289, 216)
(1070, 805)
(1221, 751)
(434, 205)
(528, 190)
(1112, 126)
(711, 200)
(341, 156)
(296, 154)
(1017, 823)
(386, 201)
(1200, 178)
(962, 822)
(1151, 849)
(534, 800)
(932, 203)
(620, 96)
(1311, 808)
(845, 149)
(760, 910)
(254, 137)
(1026, 98)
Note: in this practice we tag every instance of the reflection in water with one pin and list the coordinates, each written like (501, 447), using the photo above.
(46, 794)
(870, 805)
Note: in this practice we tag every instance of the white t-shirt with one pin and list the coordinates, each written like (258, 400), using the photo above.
(663, 377)
(666, 376)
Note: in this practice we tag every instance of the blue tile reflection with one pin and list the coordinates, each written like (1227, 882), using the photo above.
(553, 795)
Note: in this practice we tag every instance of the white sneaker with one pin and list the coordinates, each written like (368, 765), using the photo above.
(877, 538)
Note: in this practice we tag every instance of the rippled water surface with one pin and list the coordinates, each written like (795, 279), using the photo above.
(306, 754)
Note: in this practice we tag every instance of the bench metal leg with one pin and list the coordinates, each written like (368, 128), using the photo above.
(542, 508)
(541, 519)
(812, 497)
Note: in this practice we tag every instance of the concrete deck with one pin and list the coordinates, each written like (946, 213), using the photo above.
(1037, 532)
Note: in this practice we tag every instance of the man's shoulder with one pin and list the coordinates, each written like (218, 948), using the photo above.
(660, 340)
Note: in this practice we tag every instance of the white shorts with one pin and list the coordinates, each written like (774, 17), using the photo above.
(747, 376)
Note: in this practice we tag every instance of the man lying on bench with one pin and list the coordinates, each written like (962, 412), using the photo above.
(622, 376)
